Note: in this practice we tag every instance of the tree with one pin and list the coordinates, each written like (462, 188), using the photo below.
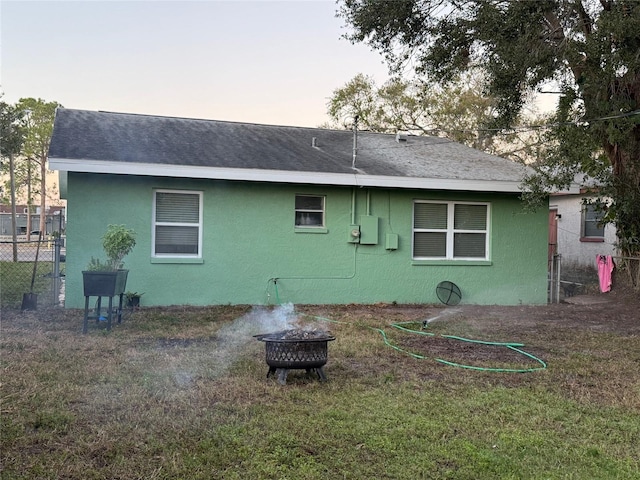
(357, 98)
(38, 117)
(11, 139)
(458, 111)
(589, 48)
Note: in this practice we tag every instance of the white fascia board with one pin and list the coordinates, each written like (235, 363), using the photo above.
(214, 173)
(439, 184)
(282, 176)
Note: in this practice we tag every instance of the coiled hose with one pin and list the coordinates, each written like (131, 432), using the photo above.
(516, 347)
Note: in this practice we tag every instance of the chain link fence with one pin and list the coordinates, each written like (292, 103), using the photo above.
(562, 284)
(553, 277)
(33, 267)
(628, 271)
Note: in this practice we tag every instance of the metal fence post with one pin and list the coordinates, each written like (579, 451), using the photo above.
(56, 269)
(551, 282)
(559, 264)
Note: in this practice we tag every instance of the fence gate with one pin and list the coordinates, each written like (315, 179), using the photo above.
(553, 276)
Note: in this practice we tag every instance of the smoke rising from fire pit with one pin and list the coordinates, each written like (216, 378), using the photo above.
(279, 318)
(214, 357)
(231, 338)
(176, 364)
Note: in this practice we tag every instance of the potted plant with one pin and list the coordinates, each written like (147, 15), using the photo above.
(133, 299)
(109, 278)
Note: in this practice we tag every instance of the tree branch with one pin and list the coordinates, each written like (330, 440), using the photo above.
(585, 20)
(556, 32)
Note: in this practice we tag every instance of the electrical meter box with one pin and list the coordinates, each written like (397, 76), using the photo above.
(391, 241)
(368, 230)
(354, 234)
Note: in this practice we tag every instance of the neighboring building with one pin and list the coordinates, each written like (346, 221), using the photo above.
(54, 220)
(239, 213)
(579, 235)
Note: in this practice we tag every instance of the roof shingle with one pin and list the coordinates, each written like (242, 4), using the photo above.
(125, 139)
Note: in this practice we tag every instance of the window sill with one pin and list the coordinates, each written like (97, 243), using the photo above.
(592, 239)
(183, 260)
(447, 263)
(310, 230)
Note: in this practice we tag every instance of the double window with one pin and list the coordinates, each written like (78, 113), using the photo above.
(177, 223)
(309, 211)
(450, 231)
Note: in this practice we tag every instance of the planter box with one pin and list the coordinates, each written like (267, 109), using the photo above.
(104, 284)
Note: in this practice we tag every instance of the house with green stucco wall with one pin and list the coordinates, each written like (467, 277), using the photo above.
(240, 213)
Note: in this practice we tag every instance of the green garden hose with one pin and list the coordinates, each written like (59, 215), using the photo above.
(400, 326)
(516, 347)
(510, 345)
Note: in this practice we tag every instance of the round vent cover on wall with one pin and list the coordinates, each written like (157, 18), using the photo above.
(448, 293)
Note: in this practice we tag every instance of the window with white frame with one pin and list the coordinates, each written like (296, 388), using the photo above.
(309, 211)
(450, 231)
(177, 223)
(591, 221)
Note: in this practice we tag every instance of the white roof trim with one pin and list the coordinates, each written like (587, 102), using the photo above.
(281, 176)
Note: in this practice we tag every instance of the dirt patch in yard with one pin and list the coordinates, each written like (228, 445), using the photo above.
(546, 332)
(616, 312)
(177, 391)
(543, 331)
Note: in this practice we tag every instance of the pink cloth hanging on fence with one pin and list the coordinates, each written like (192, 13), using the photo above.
(605, 269)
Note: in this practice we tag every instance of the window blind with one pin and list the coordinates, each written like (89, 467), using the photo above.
(430, 216)
(450, 230)
(470, 217)
(177, 207)
(430, 244)
(177, 223)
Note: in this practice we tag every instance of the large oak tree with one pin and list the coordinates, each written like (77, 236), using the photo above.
(590, 49)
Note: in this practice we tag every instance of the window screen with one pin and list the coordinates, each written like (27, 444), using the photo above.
(592, 218)
(450, 230)
(430, 222)
(309, 211)
(427, 244)
(469, 225)
(177, 223)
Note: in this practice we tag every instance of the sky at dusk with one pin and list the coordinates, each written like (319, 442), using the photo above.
(273, 62)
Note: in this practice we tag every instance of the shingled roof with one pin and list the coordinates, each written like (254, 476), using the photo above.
(105, 142)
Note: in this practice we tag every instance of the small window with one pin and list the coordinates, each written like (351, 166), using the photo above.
(450, 231)
(592, 226)
(309, 211)
(177, 219)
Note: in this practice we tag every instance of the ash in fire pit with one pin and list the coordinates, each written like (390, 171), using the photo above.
(296, 349)
(296, 334)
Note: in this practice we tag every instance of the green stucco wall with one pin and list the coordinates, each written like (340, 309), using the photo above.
(249, 239)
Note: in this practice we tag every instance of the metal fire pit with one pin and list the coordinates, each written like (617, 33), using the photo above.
(295, 349)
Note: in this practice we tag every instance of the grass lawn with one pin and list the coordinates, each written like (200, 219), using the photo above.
(15, 280)
(182, 393)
